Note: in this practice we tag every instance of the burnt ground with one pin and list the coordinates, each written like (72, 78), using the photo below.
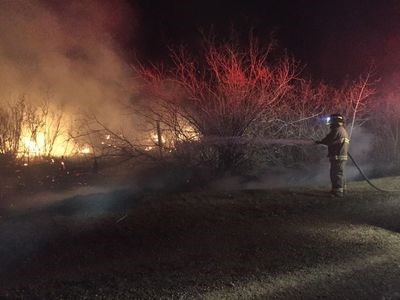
(252, 244)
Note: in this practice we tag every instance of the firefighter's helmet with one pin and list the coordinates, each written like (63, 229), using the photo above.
(335, 119)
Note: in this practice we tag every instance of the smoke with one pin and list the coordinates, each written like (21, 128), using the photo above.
(45, 198)
(65, 51)
(314, 174)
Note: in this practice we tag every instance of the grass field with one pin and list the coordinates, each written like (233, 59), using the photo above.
(252, 244)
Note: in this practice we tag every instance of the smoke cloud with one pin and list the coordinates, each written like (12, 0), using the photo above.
(67, 51)
(314, 174)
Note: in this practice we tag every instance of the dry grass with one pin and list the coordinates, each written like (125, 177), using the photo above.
(279, 244)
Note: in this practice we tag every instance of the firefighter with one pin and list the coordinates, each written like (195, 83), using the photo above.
(337, 141)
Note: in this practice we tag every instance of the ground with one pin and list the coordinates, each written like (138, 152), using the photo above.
(247, 244)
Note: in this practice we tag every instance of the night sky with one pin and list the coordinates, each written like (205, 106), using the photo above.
(336, 40)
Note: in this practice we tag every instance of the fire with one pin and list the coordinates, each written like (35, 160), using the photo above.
(188, 133)
(34, 147)
(40, 145)
(169, 140)
(50, 138)
(85, 150)
(154, 138)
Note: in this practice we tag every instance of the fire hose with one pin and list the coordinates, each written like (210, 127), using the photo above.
(305, 142)
(218, 140)
(368, 180)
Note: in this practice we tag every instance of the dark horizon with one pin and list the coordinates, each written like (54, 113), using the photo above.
(335, 41)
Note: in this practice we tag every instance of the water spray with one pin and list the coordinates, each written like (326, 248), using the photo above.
(288, 142)
(259, 141)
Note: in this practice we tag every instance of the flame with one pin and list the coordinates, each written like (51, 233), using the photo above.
(40, 145)
(85, 150)
(154, 138)
(34, 147)
(188, 133)
(168, 140)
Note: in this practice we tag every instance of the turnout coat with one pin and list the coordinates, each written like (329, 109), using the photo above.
(337, 141)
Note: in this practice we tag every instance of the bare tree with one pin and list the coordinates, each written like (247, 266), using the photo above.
(11, 125)
(357, 96)
(42, 129)
(220, 94)
(300, 115)
(106, 141)
(385, 123)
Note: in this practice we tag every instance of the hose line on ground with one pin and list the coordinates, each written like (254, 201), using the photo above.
(368, 180)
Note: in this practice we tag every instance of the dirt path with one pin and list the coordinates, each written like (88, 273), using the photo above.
(298, 244)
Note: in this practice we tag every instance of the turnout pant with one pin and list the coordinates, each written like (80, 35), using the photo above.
(337, 175)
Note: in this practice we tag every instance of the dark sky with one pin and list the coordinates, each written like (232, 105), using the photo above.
(335, 39)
